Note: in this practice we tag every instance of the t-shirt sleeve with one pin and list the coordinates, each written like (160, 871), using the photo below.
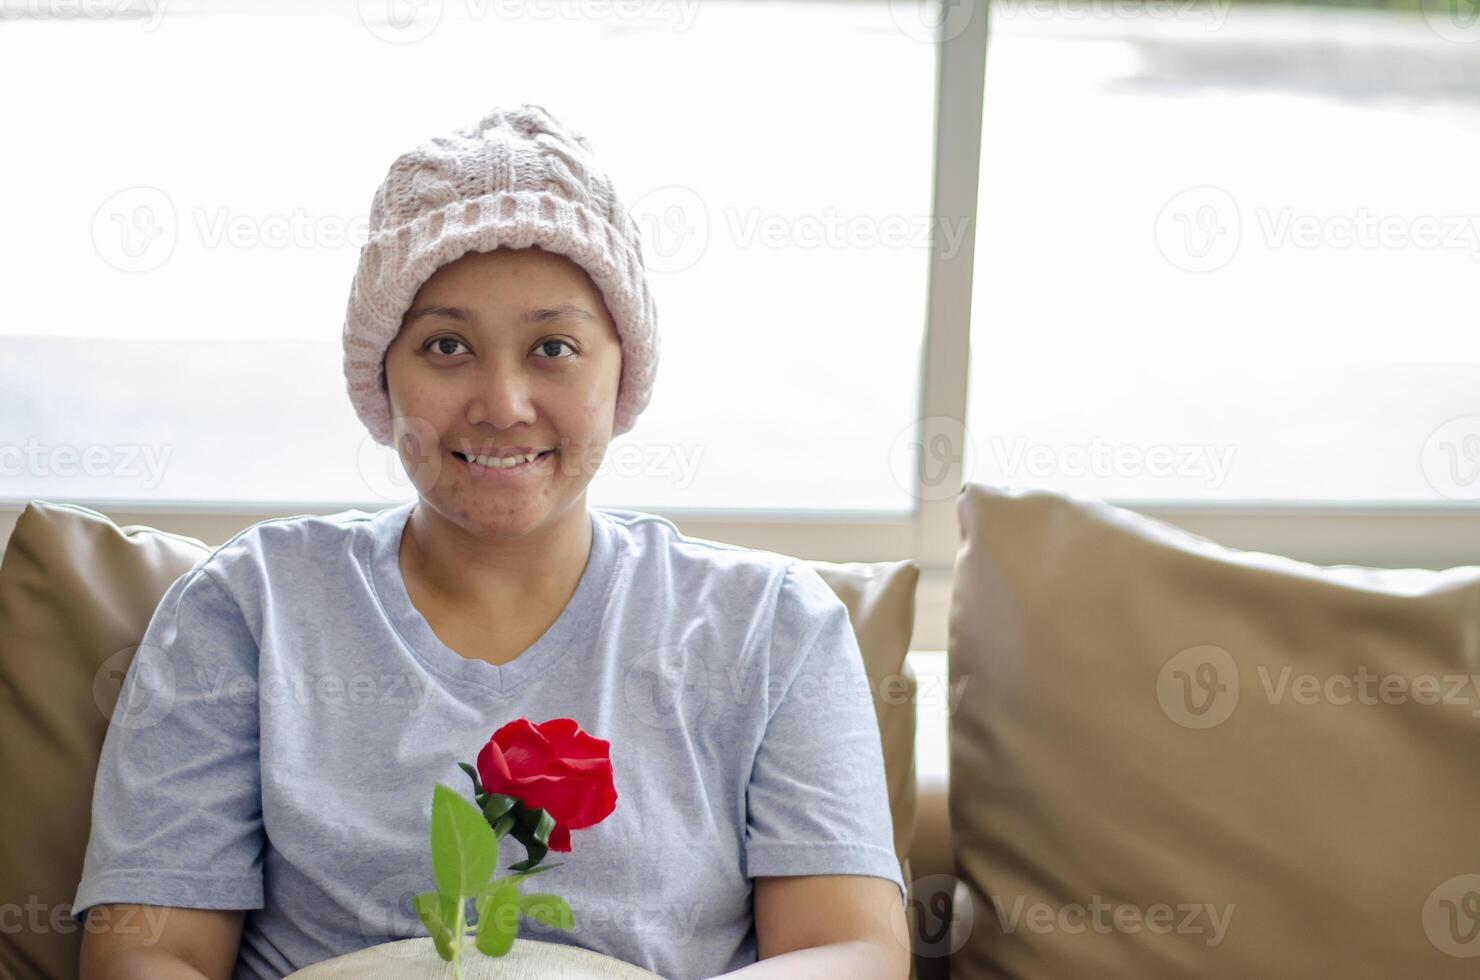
(817, 802)
(176, 809)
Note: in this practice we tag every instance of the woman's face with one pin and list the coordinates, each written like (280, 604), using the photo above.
(503, 349)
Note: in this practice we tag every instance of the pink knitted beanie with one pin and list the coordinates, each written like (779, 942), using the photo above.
(518, 178)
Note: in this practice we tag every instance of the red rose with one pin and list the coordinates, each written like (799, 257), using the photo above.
(555, 767)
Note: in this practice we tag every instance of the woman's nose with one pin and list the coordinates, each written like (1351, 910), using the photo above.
(502, 398)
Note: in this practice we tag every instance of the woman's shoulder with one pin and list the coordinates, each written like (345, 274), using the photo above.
(659, 536)
(287, 546)
(654, 548)
(296, 530)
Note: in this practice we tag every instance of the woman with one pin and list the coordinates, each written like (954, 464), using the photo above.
(304, 687)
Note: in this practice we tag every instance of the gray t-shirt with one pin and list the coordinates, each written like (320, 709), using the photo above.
(282, 725)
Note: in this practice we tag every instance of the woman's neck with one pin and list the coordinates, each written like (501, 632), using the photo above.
(462, 570)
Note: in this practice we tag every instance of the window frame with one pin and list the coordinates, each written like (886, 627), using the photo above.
(1375, 533)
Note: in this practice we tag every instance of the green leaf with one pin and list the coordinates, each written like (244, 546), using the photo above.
(504, 825)
(498, 918)
(538, 823)
(518, 878)
(496, 805)
(442, 915)
(533, 831)
(549, 909)
(473, 775)
(536, 855)
(464, 851)
(521, 874)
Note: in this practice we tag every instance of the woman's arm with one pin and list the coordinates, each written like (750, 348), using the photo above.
(189, 944)
(828, 926)
(856, 960)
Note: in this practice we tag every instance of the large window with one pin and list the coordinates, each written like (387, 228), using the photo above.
(187, 188)
(1229, 252)
(1224, 252)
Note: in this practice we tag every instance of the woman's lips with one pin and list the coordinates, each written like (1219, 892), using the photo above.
(503, 472)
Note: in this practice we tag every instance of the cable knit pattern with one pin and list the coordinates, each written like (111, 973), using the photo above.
(518, 178)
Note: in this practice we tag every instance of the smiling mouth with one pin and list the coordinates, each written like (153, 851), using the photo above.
(467, 459)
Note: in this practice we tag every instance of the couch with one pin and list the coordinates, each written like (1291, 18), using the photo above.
(76, 594)
(1171, 758)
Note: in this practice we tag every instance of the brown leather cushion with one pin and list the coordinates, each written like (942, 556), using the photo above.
(1177, 731)
(76, 592)
(76, 595)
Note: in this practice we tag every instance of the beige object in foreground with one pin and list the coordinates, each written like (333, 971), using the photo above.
(1177, 759)
(527, 959)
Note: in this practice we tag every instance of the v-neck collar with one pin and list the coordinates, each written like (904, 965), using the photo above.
(570, 629)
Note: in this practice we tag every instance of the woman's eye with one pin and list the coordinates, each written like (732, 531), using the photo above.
(441, 344)
(557, 344)
(447, 346)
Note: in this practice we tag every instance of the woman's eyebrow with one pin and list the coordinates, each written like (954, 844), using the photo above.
(538, 315)
(450, 312)
(555, 313)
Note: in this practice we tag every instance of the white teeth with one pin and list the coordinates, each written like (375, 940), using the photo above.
(502, 462)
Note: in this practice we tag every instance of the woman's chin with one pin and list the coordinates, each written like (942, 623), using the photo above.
(501, 515)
